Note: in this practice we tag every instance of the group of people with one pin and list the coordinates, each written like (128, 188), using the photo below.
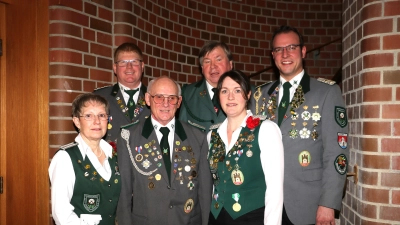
(235, 154)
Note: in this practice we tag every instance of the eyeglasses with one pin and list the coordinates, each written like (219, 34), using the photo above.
(172, 99)
(123, 63)
(90, 117)
(289, 48)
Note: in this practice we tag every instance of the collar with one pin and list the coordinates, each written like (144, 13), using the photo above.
(295, 81)
(224, 125)
(123, 87)
(148, 127)
(84, 148)
(209, 89)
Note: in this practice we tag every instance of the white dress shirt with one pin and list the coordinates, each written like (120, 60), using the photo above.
(62, 178)
(171, 127)
(271, 148)
(209, 89)
(295, 82)
(126, 96)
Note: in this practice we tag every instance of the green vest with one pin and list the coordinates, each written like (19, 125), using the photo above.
(92, 194)
(239, 183)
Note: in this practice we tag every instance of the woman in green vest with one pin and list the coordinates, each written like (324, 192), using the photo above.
(84, 175)
(246, 160)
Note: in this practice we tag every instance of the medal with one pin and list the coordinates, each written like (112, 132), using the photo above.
(216, 205)
(158, 176)
(249, 153)
(237, 177)
(109, 126)
(151, 185)
(236, 207)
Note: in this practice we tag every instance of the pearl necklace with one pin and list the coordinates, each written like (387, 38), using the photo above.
(101, 153)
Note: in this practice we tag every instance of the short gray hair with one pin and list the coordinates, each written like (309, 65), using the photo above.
(149, 86)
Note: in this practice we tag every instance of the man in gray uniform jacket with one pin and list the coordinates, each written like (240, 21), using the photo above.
(126, 97)
(313, 121)
(163, 163)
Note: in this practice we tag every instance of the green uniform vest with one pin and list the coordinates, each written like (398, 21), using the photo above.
(242, 165)
(92, 194)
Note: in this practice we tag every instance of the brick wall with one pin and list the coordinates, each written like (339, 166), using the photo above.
(371, 81)
(84, 33)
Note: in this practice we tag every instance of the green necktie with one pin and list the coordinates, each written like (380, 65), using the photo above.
(284, 102)
(165, 150)
(131, 104)
(215, 102)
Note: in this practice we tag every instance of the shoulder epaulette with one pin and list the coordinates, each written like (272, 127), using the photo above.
(261, 117)
(326, 81)
(215, 126)
(99, 88)
(264, 84)
(69, 145)
(196, 125)
(129, 124)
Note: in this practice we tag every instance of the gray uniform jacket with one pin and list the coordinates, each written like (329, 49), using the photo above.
(197, 108)
(147, 196)
(119, 116)
(314, 136)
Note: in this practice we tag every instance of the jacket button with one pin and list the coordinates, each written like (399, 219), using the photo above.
(169, 187)
(110, 200)
(170, 206)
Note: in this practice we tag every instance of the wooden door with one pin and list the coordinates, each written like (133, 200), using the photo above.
(24, 114)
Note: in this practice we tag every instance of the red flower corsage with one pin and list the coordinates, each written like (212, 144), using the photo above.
(114, 147)
(252, 122)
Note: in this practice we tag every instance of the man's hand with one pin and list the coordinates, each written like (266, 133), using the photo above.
(325, 216)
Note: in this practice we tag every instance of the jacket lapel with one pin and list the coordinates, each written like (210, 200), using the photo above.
(298, 98)
(204, 97)
(119, 103)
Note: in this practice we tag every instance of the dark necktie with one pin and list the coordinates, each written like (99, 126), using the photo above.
(284, 102)
(215, 102)
(165, 150)
(131, 104)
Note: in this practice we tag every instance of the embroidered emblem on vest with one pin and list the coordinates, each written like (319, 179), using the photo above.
(91, 202)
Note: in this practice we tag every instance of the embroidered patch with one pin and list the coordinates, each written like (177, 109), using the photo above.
(304, 158)
(91, 202)
(188, 205)
(340, 116)
(341, 164)
(342, 140)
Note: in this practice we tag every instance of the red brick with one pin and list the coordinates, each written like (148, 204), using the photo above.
(396, 166)
(378, 60)
(105, 14)
(398, 93)
(371, 11)
(391, 42)
(90, 9)
(65, 84)
(396, 128)
(67, 15)
(100, 75)
(368, 210)
(390, 179)
(100, 25)
(390, 111)
(390, 145)
(61, 125)
(65, 56)
(396, 196)
(390, 213)
(392, 8)
(76, 4)
(60, 111)
(391, 77)
(377, 94)
(378, 27)
(61, 139)
(376, 128)
(89, 35)
(67, 42)
(101, 50)
(370, 44)
(104, 38)
(89, 86)
(89, 60)
(68, 70)
(65, 28)
(370, 111)
(369, 144)
(370, 78)
(376, 161)
(367, 177)
(375, 195)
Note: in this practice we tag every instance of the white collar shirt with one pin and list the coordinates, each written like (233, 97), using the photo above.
(126, 96)
(171, 127)
(295, 82)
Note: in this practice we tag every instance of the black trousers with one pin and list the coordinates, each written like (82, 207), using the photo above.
(285, 218)
(255, 217)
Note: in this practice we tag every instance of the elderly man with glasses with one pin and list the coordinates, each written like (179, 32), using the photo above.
(126, 97)
(163, 163)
